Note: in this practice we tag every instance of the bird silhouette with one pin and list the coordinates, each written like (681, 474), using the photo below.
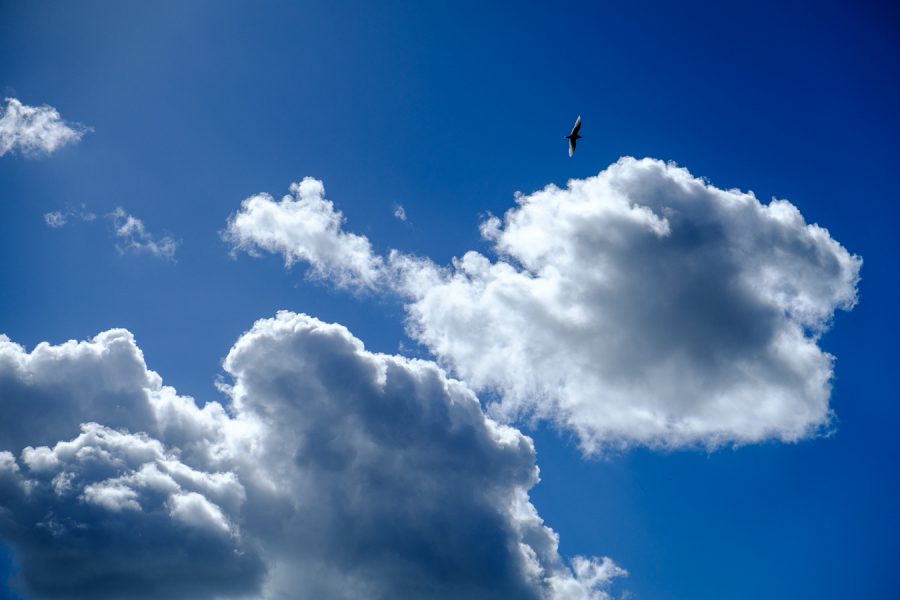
(574, 137)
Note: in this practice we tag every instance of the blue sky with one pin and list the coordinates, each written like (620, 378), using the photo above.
(448, 110)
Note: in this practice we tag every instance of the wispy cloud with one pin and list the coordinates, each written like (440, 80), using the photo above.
(133, 236)
(35, 130)
(400, 212)
(55, 219)
(130, 232)
(59, 218)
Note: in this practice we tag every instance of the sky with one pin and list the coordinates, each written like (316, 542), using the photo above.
(347, 321)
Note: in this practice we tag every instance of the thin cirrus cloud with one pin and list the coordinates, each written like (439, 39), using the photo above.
(134, 237)
(329, 469)
(130, 232)
(35, 130)
(642, 306)
(60, 218)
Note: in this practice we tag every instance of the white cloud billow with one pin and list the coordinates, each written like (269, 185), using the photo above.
(644, 306)
(334, 470)
(97, 517)
(35, 130)
(641, 306)
(305, 227)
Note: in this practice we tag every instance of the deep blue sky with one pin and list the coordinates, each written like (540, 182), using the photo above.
(448, 109)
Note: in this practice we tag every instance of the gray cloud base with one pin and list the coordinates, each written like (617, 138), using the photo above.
(334, 471)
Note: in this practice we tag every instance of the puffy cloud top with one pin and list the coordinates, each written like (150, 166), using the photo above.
(641, 306)
(305, 227)
(644, 306)
(35, 130)
(334, 470)
(396, 483)
(110, 514)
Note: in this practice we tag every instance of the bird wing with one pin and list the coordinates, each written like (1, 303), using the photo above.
(571, 146)
(577, 126)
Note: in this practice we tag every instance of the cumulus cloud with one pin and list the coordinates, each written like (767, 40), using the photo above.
(644, 306)
(35, 130)
(641, 306)
(98, 511)
(134, 237)
(407, 489)
(53, 389)
(306, 227)
(97, 516)
(329, 469)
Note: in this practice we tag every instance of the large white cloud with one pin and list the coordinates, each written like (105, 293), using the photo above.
(640, 306)
(305, 227)
(35, 130)
(644, 306)
(333, 470)
(392, 480)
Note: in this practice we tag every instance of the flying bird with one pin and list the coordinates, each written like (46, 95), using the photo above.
(574, 137)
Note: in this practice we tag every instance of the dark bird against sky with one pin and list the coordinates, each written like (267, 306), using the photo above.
(574, 137)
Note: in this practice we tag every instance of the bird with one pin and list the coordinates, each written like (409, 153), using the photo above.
(574, 137)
